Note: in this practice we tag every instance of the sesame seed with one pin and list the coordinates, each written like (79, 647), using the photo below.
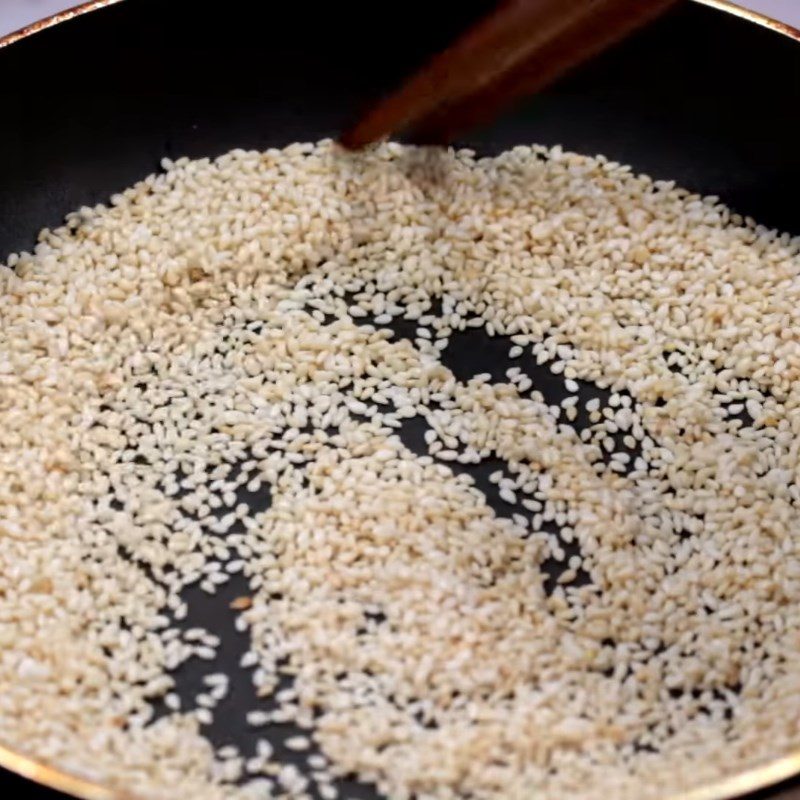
(208, 337)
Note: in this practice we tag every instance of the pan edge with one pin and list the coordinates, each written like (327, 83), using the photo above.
(756, 17)
(54, 19)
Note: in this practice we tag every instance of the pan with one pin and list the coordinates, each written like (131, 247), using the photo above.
(708, 96)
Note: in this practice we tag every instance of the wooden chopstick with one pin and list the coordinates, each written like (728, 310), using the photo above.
(518, 49)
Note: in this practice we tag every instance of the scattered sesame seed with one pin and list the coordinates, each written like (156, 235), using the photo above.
(196, 336)
(297, 743)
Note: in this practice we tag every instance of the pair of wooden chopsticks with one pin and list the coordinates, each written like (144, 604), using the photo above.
(517, 50)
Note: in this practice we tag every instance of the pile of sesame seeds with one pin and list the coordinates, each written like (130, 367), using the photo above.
(499, 455)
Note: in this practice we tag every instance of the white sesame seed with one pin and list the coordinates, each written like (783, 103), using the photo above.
(257, 718)
(508, 496)
(204, 716)
(297, 743)
(197, 336)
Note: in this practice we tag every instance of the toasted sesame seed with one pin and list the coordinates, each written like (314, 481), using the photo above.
(297, 743)
(208, 333)
(257, 718)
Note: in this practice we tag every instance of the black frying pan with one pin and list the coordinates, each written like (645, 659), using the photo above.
(92, 105)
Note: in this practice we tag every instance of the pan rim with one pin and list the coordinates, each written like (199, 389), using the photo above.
(55, 19)
(52, 777)
(727, 6)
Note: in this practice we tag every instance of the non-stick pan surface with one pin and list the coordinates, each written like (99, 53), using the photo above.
(92, 105)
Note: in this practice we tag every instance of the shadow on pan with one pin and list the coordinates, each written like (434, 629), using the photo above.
(92, 105)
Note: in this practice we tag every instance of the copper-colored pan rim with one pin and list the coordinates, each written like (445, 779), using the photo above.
(55, 19)
(94, 5)
(754, 16)
(750, 780)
